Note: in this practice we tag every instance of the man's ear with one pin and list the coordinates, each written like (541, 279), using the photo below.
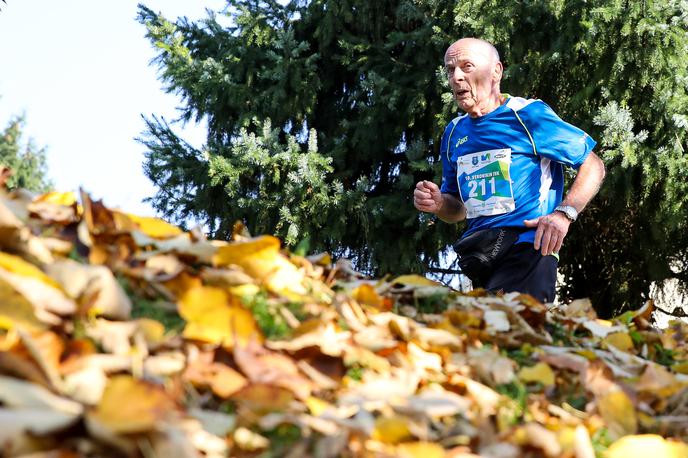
(497, 72)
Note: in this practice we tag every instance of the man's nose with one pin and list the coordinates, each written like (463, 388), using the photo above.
(457, 74)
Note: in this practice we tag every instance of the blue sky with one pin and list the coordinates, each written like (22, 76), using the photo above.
(79, 70)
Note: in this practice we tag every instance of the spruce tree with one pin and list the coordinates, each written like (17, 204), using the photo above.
(27, 162)
(365, 79)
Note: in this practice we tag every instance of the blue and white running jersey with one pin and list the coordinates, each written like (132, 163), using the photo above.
(507, 166)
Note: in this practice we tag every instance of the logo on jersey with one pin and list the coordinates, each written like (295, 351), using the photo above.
(462, 141)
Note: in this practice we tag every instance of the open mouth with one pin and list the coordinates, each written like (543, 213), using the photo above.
(462, 92)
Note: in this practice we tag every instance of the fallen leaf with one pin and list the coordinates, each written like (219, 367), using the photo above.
(261, 365)
(152, 227)
(620, 340)
(212, 315)
(391, 430)
(261, 259)
(222, 379)
(16, 310)
(420, 450)
(618, 412)
(414, 280)
(145, 406)
(540, 373)
(646, 445)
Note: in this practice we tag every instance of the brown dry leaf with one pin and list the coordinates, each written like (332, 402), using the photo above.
(261, 259)
(330, 341)
(16, 393)
(261, 398)
(58, 207)
(94, 287)
(264, 366)
(45, 348)
(222, 379)
(659, 381)
(130, 405)
(539, 437)
(214, 316)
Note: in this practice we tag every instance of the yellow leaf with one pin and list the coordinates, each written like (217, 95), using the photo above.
(16, 310)
(18, 266)
(420, 450)
(646, 445)
(247, 290)
(414, 280)
(129, 405)
(152, 227)
(620, 340)
(317, 406)
(541, 372)
(391, 430)
(212, 315)
(680, 367)
(366, 294)
(57, 198)
(153, 331)
(261, 259)
(618, 413)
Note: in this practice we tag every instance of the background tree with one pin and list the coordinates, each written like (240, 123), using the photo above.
(366, 78)
(26, 160)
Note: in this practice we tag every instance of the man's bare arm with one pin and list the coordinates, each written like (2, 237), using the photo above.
(587, 183)
(552, 228)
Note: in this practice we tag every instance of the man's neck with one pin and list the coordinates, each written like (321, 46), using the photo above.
(491, 104)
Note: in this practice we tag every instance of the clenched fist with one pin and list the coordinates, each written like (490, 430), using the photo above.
(427, 197)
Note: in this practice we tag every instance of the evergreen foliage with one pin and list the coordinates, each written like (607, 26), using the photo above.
(26, 161)
(366, 79)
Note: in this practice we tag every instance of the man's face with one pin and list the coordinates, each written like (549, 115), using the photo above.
(470, 68)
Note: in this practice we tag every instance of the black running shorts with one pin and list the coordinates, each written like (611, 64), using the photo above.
(525, 270)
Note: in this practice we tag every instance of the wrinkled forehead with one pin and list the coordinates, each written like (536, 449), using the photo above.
(468, 49)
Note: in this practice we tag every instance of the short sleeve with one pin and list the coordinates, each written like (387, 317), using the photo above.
(449, 183)
(554, 138)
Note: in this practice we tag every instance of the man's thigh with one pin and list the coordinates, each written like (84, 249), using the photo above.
(525, 270)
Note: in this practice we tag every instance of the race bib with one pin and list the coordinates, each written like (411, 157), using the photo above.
(485, 182)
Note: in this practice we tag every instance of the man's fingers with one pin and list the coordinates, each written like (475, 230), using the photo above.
(532, 222)
(560, 242)
(552, 244)
(544, 243)
(420, 194)
(538, 237)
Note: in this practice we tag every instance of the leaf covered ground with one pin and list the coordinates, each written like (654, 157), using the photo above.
(125, 336)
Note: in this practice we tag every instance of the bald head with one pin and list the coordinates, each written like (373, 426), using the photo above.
(480, 45)
(474, 73)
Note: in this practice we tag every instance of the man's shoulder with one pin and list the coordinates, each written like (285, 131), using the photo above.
(521, 103)
(454, 123)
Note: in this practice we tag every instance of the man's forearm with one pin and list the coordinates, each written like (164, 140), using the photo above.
(587, 183)
(452, 209)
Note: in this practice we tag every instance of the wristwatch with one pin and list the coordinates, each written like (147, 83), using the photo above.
(570, 212)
